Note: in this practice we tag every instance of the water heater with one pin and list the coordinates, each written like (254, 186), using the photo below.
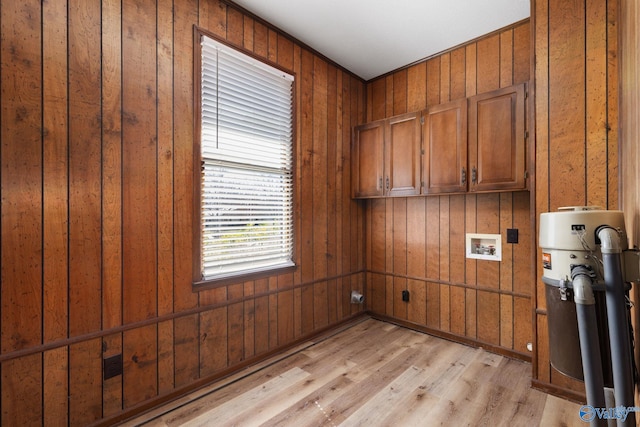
(568, 239)
(587, 303)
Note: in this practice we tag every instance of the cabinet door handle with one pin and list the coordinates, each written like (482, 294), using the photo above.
(387, 183)
(380, 186)
(474, 175)
(463, 176)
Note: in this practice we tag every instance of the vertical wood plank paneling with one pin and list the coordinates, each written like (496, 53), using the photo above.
(213, 338)
(235, 26)
(139, 159)
(506, 58)
(21, 222)
(400, 256)
(55, 210)
(389, 95)
(84, 169)
(488, 221)
(567, 103)
(488, 75)
(306, 170)
(184, 15)
(416, 233)
(111, 196)
(416, 87)
(522, 256)
(596, 60)
(457, 263)
(85, 382)
(165, 156)
(249, 329)
(507, 321)
(235, 333)
(186, 336)
(319, 166)
(445, 256)
(22, 391)
(400, 94)
(112, 387)
(340, 203)
(140, 360)
(505, 221)
(457, 239)
(55, 175)
(166, 360)
(458, 77)
(111, 164)
(433, 82)
(471, 268)
(56, 387)
(273, 318)
(471, 62)
(522, 331)
(445, 77)
(285, 317)
(247, 33)
(307, 315)
(521, 53)
(614, 158)
(262, 324)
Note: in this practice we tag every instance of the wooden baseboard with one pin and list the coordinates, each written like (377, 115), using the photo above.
(453, 337)
(561, 392)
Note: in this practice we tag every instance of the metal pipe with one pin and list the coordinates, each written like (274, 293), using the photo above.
(618, 323)
(589, 343)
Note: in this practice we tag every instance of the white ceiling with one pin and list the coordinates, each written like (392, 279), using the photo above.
(373, 37)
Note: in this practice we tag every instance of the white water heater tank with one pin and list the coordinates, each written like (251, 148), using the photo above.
(568, 237)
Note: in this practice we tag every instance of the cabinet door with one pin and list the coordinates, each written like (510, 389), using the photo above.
(402, 155)
(497, 140)
(445, 139)
(367, 160)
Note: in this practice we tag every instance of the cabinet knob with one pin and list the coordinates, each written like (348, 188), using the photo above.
(380, 185)
(463, 176)
(474, 175)
(387, 183)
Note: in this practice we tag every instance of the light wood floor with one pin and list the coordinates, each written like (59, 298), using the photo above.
(374, 374)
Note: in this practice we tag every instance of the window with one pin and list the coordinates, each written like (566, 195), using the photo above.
(246, 139)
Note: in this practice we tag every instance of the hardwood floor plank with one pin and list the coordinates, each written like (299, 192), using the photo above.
(244, 403)
(375, 374)
(386, 399)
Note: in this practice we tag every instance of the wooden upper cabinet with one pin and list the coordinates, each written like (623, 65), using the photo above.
(402, 155)
(386, 157)
(445, 140)
(367, 159)
(497, 159)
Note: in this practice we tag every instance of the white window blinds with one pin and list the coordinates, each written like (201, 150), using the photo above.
(247, 182)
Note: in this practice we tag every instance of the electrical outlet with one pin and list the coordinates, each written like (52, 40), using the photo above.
(112, 366)
(512, 235)
(405, 296)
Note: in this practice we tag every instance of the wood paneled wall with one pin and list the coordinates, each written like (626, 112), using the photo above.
(576, 107)
(96, 127)
(418, 243)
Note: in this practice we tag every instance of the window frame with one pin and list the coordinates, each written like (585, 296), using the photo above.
(199, 282)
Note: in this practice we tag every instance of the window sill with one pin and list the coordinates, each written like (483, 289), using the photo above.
(202, 285)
